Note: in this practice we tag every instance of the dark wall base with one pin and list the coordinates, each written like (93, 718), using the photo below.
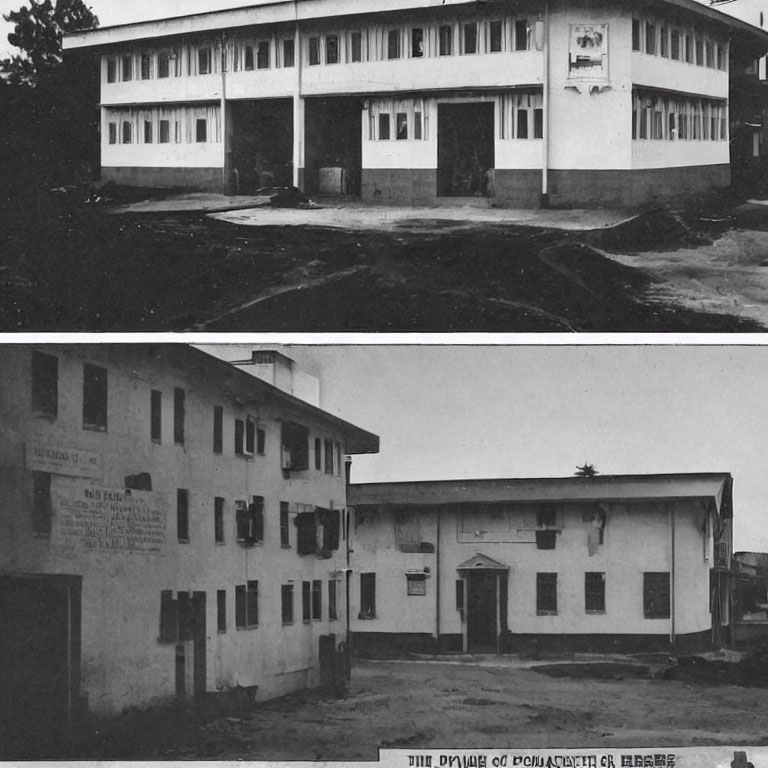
(376, 645)
(589, 188)
(517, 189)
(201, 179)
(399, 186)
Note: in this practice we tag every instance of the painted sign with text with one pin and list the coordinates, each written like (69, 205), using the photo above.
(56, 460)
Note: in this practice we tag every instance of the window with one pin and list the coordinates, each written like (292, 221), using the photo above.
(329, 457)
(177, 131)
(148, 132)
(113, 133)
(664, 42)
(417, 42)
(169, 631)
(317, 600)
(178, 416)
(522, 123)
(521, 35)
(446, 40)
(416, 583)
(218, 429)
(146, 66)
(318, 453)
(306, 601)
(338, 458)
(314, 50)
(250, 436)
(384, 126)
(699, 48)
(239, 437)
(262, 55)
(45, 385)
(538, 123)
(94, 397)
(656, 595)
(163, 65)
(709, 54)
(495, 37)
(460, 595)
(285, 531)
(41, 503)
(332, 600)
(247, 605)
(218, 520)
(689, 49)
(156, 416)
(127, 67)
(331, 523)
(594, 592)
(184, 616)
(295, 446)
(249, 520)
(127, 132)
(470, 38)
(402, 125)
(546, 594)
(286, 600)
(165, 132)
(306, 533)
(417, 126)
(201, 130)
(182, 514)
(720, 56)
(261, 439)
(675, 44)
(367, 596)
(650, 38)
(248, 57)
(289, 53)
(356, 46)
(221, 610)
(204, 61)
(393, 44)
(331, 49)
(635, 34)
(111, 69)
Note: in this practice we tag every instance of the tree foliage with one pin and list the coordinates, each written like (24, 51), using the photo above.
(586, 470)
(38, 33)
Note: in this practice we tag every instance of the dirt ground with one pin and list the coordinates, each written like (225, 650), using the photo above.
(496, 703)
(84, 269)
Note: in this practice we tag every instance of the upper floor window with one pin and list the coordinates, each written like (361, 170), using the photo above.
(699, 48)
(163, 64)
(201, 130)
(328, 457)
(546, 594)
(331, 49)
(656, 595)
(179, 397)
(356, 45)
(249, 57)
(45, 385)
(470, 38)
(289, 52)
(295, 446)
(111, 69)
(165, 131)
(635, 34)
(522, 35)
(148, 132)
(262, 55)
(285, 529)
(113, 133)
(94, 397)
(594, 592)
(650, 38)
(127, 67)
(384, 126)
(182, 515)
(42, 507)
(417, 42)
(156, 416)
(127, 132)
(314, 50)
(401, 120)
(446, 40)
(247, 605)
(689, 49)
(204, 61)
(393, 44)
(664, 42)
(218, 429)
(146, 66)
(674, 39)
(250, 436)
(495, 37)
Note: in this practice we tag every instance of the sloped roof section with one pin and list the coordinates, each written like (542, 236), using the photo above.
(482, 562)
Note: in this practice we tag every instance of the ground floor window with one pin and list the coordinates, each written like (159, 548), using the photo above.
(247, 605)
(594, 592)
(286, 595)
(546, 594)
(656, 595)
(521, 115)
(405, 115)
(659, 117)
(146, 125)
(367, 596)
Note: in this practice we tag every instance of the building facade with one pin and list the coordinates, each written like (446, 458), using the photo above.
(170, 527)
(610, 563)
(419, 101)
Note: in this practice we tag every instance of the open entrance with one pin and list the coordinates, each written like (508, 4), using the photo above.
(262, 144)
(39, 661)
(482, 618)
(334, 146)
(465, 149)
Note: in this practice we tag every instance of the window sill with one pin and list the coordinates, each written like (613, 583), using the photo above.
(247, 629)
(656, 618)
(288, 623)
(221, 631)
(595, 613)
(156, 441)
(94, 428)
(546, 613)
(365, 617)
(183, 541)
(47, 416)
(221, 543)
(285, 546)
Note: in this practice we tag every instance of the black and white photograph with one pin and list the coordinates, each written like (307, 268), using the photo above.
(383, 166)
(318, 552)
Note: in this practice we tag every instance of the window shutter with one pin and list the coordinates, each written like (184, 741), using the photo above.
(257, 518)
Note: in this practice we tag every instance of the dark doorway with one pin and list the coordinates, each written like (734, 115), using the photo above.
(481, 612)
(465, 149)
(39, 662)
(334, 139)
(262, 144)
(199, 643)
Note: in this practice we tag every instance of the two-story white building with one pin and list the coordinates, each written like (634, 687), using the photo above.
(171, 526)
(418, 101)
(621, 563)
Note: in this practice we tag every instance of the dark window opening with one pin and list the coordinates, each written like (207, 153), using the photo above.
(306, 601)
(306, 533)
(635, 34)
(94, 397)
(156, 415)
(127, 132)
(329, 457)
(45, 385)
(330, 519)
(656, 595)
(204, 60)
(163, 65)
(460, 596)
(289, 53)
(250, 436)
(446, 40)
(416, 583)
(179, 397)
(148, 133)
(295, 446)
(248, 64)
(417, 42)
(169, 621)
(664, 42)
(239, 436)
(240, 619)
(594, 592)
(522, 123)
(165, 132)
(495, 37)
(250, 521)
(538, 123)
(317, 600)
(384, 126)
(218, 429)
(521, 35)
(127, 67)
(393, 44)
(650, 38)
(367, 596)
(285, 531)
(111, 70)
(201, 130)
(331, 49)
(318, 453)
(546, 518)
(401, 120)
(286, 599)
(113, 133)
(261, 440)
(546, 594)
(357, 46)
(262, 55)
(182, 515)
(417, 133)
(221, 610)
(546, 539)
(146, 67)
(247, 605)
(699, 46)
(184, 614)
(314, 50)
(42, 508)
(470, 38)
(332, 600)
(675, 44)
(218, 520)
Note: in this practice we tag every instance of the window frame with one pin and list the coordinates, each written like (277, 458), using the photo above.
(221, 611)
(594, 592)
(44, 373)
(179, 415)
(95, 397)
(367, 595)
(218, 520)
(182, 515)
(657, 595)
(546, 594)
(286, 603)
(317, 600)
(156, 416)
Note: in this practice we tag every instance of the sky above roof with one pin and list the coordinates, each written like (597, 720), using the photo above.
(447, 412)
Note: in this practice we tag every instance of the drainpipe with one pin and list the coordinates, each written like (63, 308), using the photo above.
(298, 105)
(545, 154)
(347, 572)
(672, 639)
(224, 175)
(437, 584)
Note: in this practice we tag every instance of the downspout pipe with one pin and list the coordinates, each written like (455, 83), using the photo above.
(544, 202)
(348, 570)
(224, 127)
(437, 583)
(672, 637)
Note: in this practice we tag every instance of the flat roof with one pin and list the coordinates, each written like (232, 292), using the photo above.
(291, 11)
(712, 485)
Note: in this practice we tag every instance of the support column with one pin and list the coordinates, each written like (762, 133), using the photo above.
(298, 141)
